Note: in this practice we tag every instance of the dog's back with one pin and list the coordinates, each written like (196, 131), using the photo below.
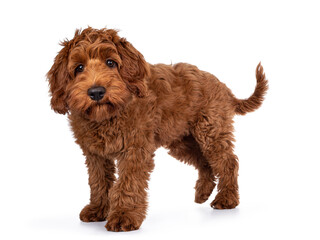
(182, 92)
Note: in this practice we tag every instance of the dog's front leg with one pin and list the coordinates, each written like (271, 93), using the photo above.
(101, 177)
(128, 196)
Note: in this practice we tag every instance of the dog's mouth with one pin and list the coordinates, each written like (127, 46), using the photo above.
(100, 109)
(109, 104)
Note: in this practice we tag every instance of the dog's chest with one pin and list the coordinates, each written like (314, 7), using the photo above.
(104, 139)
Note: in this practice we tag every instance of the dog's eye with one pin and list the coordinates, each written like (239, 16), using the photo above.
(111, 64)
(78, 69)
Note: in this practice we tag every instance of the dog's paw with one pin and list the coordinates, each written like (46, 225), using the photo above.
(225, 200)
(122, 221)
(91, 213)
(204, 189)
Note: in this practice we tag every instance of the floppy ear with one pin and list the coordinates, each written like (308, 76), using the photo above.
(134, 69)
(58, 77)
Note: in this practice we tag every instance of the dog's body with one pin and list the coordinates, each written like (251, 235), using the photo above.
(120, 107)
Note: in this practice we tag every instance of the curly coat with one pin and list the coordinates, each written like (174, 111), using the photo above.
(145, 106)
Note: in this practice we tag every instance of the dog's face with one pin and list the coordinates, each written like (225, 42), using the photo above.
(96, 74)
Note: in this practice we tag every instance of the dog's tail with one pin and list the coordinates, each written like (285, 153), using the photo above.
(243, 106)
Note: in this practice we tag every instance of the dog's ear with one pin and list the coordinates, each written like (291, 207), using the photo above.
(134, 69)
(58, 77)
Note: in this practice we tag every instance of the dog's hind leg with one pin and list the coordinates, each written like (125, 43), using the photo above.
(188, 151)
(215, 137)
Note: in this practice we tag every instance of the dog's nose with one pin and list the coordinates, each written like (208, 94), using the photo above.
(96, 93)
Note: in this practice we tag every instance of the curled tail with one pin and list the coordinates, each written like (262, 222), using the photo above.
(243, 106)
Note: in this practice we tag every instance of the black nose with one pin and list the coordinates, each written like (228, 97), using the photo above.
(96, 93)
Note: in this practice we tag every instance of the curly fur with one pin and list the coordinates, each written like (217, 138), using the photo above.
(146, 106)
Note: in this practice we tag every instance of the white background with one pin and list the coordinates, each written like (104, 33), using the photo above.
(43, 178)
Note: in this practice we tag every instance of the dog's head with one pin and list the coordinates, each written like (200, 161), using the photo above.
(96, 74)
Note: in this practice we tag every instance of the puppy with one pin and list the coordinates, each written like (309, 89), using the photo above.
(122, 108)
